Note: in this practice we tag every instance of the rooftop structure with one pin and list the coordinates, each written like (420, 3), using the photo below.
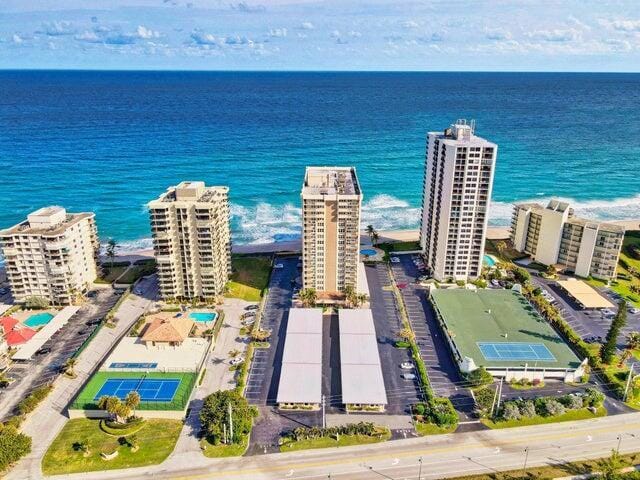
(501, 331)
(584, 294)
(14, 332)
(191, 240)
(301, 375)
(52, 254)
(169, 330)
(458, 181)
(361, 373)
(551, 235)
(331, 201)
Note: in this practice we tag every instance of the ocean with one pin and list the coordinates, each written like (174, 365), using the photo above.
(109, 142)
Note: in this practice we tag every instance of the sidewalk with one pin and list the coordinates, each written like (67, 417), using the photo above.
(217, 377)
(45, 423)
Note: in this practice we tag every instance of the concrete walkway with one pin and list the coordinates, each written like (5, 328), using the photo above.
(217, 377)
(47, 421)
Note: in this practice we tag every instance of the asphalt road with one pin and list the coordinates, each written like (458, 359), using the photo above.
(441, 456)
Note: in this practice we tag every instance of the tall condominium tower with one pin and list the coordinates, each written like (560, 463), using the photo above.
(191, 240)
(457, 187)
(52, 254)
(553, 236)
(331, 200)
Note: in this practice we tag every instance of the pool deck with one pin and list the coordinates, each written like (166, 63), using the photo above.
(23, 315)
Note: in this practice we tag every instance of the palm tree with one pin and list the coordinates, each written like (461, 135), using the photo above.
(69, 366)
(133, 442)
(501, 246)
(112, 245)
(633, 341)
(375, 237)
(309, 296)
(234, 353)
(350, 294)
(407, 334)
(361, 298)
(370, 231)
(260, 335)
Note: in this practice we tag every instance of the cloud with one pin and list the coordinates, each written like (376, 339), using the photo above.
(354, 34)
(307, 26)
(114, 36)
(246, 8)
(335, 34)
(437, 37)
(201, 38)
(408, 24)
(626, 25)
(618, 45)
(238, 40)
(556, 35)
(278, 32)
(55, 29)
(17, 39)
(89, 37)
(497, 34)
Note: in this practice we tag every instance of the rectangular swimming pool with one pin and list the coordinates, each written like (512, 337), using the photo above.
(203, 317)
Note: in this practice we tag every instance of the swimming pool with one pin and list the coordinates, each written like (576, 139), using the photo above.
(489, 260)
(38, 320)
(203, 316)
(368, 251)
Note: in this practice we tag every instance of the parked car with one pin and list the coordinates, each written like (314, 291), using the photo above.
(395, 260)
(236, 361)
(278, 265)
(406, 366)
(251, 307)
(608, 313)
(408, 376)
(43, 351)
(633, 310)
(137, 291)
(90, 294)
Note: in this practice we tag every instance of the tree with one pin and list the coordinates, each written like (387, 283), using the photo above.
(133, 442)
(82, 446)
(69, 366)
(371, 232)
(407, 335)
(215, 416)
(234, 353)
(521, 275)
(132, 400)
(609, 467)
(116, 408)
(551, 271)
(13, 446)
(374, 238)
(350, 295)
(35, 301)
(309, 296)
(112, 245)
(633, 340)
(501, 246)
(260, 335)
(479, 377)
(4, 380)
(608, 349)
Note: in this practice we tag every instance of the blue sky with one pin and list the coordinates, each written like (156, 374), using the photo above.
(539, 35)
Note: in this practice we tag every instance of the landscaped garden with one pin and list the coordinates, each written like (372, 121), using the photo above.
(111, 271)
(83, 446)
(249, 278)
(305, 438)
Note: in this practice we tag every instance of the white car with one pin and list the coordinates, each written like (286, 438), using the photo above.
(278, 265)
(608, 313)
(406, 366)
(634, 310)
(236, 361)
(395, 260)
(408, 376)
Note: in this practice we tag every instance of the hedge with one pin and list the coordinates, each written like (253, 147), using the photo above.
(13, 446)
(30, 403)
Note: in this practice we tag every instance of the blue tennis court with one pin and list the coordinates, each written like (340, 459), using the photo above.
(150, 390)
(533, 352)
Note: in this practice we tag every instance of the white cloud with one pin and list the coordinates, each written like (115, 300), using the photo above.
(354, 34)
(626, 25)
(307, 26)
(556, 35)
(497, 34)
(88, 36)
(146, 33)
(335, 34)
(278, 32)
(17, 39)
(54, 29)
(202, 38)
(409, 24)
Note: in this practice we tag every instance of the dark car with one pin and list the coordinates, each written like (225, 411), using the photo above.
(43, 351)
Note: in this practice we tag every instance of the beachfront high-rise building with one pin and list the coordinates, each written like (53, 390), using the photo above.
(331, 201)
(191, 240)
(52, 255)
(458, 180)
(551, 235)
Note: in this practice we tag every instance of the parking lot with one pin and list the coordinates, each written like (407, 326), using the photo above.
(588, 324)
(400, 393)
(443, 372)
(45, 367)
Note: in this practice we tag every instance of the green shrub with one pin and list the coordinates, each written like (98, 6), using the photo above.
(36, 302)
(13, 446)
(479, 377)
(402, 344)
(528, 409)
(30, 403)
(419, 409)
(593, 398)
(441, 412)
(510, 411)
(484, 397)
(551, 407)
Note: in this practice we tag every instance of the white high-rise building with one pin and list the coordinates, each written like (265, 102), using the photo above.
(458, 180)
(52, 254)
(551, 235)
(192, 240)
(331, 201)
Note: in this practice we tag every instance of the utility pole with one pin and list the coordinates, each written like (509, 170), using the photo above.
(420, 469)
(619, 442)
(526, 457)
(499, 394)
(230, 424)
(626, 388)
(224, 427)
(324, 414)
(493, 404)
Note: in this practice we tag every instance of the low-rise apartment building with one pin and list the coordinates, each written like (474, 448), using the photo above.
(192, 240)
(331, 202)
(52, 255)
(551, 235)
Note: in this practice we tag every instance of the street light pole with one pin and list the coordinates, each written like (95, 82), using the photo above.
(619, 437)
(420, 469)
(526, 457)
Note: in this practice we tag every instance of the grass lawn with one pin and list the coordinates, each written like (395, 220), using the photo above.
(327, 442)
(548, 472)
(111, 274)
(249, 278)
(509, 254)
(431, 429)
(580, 414)
(620, 286)
(219, 451)
(157, 439)
(136, 272)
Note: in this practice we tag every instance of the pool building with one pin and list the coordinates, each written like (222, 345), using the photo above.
(500, 331)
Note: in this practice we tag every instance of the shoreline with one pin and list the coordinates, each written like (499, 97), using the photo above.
(407, 235)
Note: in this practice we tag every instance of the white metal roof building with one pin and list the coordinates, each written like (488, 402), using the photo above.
(26, 351)
(301, 375)
(361, 374)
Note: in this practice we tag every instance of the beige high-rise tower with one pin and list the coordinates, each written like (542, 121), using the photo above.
(331, 201)
(191, 240)
(458, 179)
(51, 255)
